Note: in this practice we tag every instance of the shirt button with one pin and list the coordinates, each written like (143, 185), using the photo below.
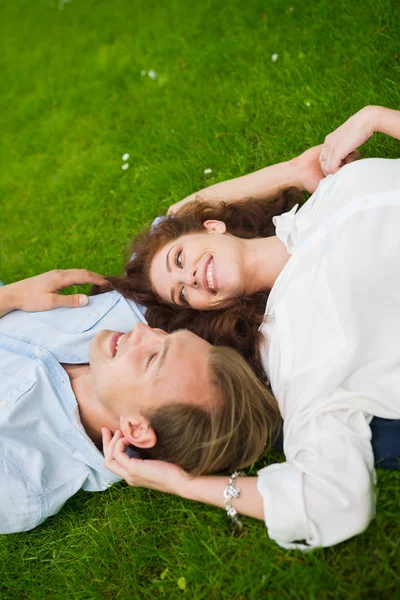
(95, 314)
(36, 351)
(3, 404)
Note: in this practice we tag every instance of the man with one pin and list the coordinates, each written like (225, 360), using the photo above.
(66, 373)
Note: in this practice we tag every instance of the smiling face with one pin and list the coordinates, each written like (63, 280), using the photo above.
(203, 270)
(137, 372)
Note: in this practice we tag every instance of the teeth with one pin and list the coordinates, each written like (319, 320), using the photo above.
(118, 343)
(210, 279)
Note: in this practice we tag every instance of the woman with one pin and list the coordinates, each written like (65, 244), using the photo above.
(332, 325)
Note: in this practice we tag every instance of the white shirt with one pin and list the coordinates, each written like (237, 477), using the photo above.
(332, 353)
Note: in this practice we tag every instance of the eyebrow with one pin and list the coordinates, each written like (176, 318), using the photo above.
(167, 263)
(167, 259)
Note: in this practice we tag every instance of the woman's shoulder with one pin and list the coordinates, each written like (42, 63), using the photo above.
(364, 177)
(368, 176)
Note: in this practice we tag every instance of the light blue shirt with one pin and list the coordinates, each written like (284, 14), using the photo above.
(45, 454)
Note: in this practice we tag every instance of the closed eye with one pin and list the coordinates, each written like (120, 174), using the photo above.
(150, 358)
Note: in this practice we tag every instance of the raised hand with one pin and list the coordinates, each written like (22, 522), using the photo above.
(309, 170)
(154, 474)
(345, 139)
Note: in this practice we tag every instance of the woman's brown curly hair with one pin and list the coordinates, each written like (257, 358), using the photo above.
(236, 326)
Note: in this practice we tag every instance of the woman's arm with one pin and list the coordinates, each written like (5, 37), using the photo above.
(303, 172)
(323, 497)
(354, 132)
(168, 478)
(41, 292)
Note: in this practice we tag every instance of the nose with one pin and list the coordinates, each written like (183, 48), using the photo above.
(142, 333)
(190, 277)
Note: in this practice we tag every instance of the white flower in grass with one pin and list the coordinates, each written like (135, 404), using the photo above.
(308, 103)
(274, 57)
(152, 74)
(125, 156)
(125, 166)
(207, 171)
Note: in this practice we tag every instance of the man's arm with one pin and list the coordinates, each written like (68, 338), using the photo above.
(41, 292)
(6, 300)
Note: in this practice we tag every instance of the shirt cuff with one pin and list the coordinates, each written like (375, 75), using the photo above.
(281, 489)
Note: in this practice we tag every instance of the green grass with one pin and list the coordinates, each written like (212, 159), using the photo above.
(72, 101)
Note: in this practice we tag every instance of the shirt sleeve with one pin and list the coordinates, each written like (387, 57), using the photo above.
(324, 493)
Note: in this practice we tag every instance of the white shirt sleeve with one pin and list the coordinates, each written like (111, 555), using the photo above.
(324, 494)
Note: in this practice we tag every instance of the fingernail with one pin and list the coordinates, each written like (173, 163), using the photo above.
(83, 300)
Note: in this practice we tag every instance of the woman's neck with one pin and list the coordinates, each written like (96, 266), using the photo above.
(264, 259)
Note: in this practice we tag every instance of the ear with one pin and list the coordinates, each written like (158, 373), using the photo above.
(216, 226)
(138, 432)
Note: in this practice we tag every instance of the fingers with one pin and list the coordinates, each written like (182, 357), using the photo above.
(109, 442)
(355, 155)
(328, 161)
(115, 458)
(106, 438)
(331, 161)
(77, 277)
(59, 279)
(72, 301)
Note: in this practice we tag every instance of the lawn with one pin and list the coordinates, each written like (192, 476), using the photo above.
(182, 87)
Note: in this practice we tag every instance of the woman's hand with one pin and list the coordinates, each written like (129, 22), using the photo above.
(308, 172)
(164, 477)
(154, 474)
(308, 167)
(346, 138)
(41, 292)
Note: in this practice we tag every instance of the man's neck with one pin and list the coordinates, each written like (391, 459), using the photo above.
(92, 414)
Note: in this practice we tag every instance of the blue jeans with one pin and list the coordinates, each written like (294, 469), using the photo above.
(385, 442)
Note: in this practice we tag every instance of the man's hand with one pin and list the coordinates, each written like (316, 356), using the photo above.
(346, 138)
(41, 292)
(153, 474)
